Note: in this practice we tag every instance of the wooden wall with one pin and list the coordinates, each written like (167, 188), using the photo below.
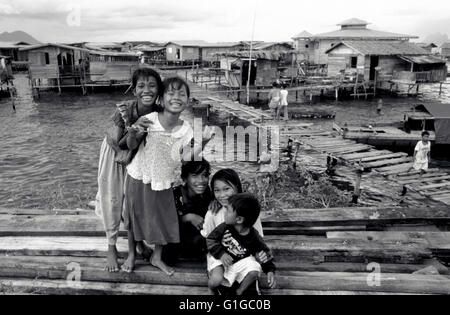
(107, 71)
(266, 72)
(186, 53)
(305, 50)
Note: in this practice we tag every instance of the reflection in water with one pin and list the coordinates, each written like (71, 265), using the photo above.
(50, 146)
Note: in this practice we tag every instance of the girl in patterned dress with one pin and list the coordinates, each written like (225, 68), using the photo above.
(150, 214)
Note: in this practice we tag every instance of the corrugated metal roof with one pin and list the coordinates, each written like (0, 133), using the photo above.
(438, 110)
(360, 33)
(33, 47)
(261, 46)
(383, 48)
(445, 45)
(353, 21)
(304, 34)
(267, 55)
(11, 45)
(428, 59)
(112, 53)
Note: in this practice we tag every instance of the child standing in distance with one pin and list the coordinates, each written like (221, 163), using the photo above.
(235, 243)
(149, 209)
(283, 103)
(224, 184)
(422, 153)
(115, 154)
(274, 99)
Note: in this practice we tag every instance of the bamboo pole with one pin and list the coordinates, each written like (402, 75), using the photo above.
(250, 57)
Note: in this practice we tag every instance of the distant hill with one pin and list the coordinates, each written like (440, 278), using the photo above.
(18, 36)
(437, 38)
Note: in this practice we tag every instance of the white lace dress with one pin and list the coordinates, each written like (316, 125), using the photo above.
(149, 202)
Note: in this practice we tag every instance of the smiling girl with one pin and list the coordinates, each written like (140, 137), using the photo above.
(150, 214)
(116, 153)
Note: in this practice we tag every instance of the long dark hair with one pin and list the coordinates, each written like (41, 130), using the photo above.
(228, 176)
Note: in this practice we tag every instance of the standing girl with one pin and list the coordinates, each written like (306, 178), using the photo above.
(116, 153)
(224, 184)
(150, 214)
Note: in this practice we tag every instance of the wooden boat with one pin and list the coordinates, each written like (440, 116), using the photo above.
(433, 117)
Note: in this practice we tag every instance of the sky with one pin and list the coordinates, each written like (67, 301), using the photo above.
(213, 20)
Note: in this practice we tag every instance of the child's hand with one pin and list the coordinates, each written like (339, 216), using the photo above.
(226, 260)
(262, 257)
(208, 133)
(196, 221)
(271, 280)
(142, 124)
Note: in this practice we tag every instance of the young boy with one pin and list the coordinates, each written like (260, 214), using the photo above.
(422, 153)
(191, 201)
(236, 242)
(283, 103)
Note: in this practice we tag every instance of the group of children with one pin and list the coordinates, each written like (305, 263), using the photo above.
(150, 149)
(278, 100)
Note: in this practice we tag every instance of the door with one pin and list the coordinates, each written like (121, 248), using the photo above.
(374, 61)
(245, 72)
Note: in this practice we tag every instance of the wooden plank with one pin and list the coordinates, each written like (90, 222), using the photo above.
(384, 156)
(286, 248)
(352, 148)
(437, 193)
(434, 186)
(146, 276)
(62, 287)
(388, 162)
(15, 211)
(387, 169)
(424, 179)
(358, 156)
(356, 216)
(435, 240)
(414, 172)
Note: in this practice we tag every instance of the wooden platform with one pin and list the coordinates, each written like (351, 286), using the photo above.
(317, 251)
(395, 167)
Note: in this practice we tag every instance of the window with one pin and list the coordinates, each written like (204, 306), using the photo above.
(47, 58)
(170, 50)
(353, 62)
(306, 46)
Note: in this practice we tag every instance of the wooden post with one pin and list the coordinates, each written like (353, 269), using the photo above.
(440, 88)
(375, 84)
(357, 191)
(296, 95)
(336, 91)
(59, 86)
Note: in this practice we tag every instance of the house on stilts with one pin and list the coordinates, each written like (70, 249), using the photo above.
(57, 66)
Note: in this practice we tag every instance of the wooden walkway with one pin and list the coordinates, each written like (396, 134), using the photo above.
(395, 167)
(317, 251)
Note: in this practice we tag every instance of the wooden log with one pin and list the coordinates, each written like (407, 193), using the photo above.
(348, 149)
(286, 248)
(32, 212)
(434, 240)
(145, 278)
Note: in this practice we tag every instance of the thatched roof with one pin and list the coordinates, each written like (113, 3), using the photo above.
(383, 48)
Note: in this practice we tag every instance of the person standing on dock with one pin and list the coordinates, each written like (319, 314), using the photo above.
(283, 103)
(274, 99)
(422, 153)
(115, 155)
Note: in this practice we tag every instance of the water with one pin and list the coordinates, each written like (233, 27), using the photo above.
(50, 146)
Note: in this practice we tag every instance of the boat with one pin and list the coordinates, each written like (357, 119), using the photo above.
(431, 117)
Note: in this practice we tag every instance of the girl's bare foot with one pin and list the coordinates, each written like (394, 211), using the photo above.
(112, 265)
(129, 264)
(158, 263)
